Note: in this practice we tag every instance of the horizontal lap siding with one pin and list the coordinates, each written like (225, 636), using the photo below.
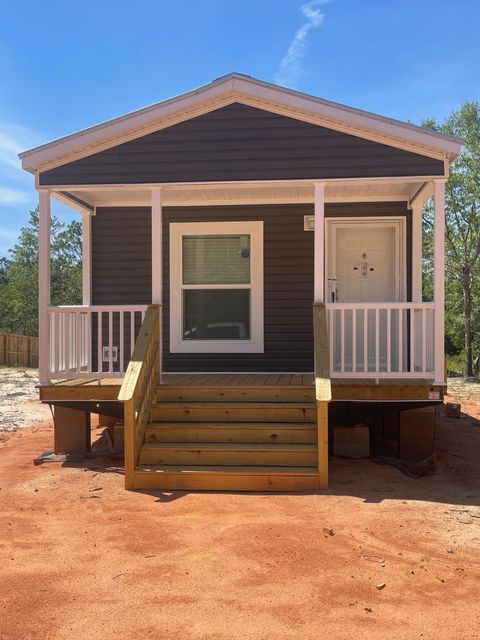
(121, 248)
(239, 142)
(121, 256)
(288, 291)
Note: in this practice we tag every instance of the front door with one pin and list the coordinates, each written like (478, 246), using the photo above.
(364, 261)
(365, 266)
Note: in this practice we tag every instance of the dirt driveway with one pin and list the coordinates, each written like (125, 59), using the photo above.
(81, 558)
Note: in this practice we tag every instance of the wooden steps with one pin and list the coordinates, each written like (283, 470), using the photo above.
(229, 453)
(170, 393)
(260, 432)
(235, 411)
(218, 478)
(230, 438)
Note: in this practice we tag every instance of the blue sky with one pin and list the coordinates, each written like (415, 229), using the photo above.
(65, 66)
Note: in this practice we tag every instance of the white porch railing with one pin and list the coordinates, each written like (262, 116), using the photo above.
(92, 341)
(381, 339)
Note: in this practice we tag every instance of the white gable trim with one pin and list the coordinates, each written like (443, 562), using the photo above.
(246, 90)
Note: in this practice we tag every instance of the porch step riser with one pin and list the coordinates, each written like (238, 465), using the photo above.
(231, 413)
(238, 394)
(157, 456)
(290, 433)
(250, 480)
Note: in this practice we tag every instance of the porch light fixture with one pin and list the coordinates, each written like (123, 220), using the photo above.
(309, 223)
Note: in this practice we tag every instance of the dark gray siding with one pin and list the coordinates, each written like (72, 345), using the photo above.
(121, 256)
(121, 249)
(288, 291)
(238, 142)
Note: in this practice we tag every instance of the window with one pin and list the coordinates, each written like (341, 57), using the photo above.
(216, 287)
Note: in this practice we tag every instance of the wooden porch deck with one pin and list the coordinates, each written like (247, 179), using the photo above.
(345, 389)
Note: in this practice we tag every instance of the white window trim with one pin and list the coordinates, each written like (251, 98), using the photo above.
(256, 342)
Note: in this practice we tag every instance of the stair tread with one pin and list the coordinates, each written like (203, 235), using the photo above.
(246, 387)
(228, 446)
(157, 424)
(229, 470)
(235, 405)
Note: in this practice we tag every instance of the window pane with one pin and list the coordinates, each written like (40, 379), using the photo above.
(216, 314)
(216, 259)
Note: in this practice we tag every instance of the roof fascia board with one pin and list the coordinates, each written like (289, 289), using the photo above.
(232, 183)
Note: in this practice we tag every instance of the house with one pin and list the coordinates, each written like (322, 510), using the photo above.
(252, 278)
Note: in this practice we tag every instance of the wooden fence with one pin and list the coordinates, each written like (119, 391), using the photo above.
(18, 350)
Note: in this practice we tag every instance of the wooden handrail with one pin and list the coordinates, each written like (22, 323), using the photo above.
(138, 389)
(323, 387)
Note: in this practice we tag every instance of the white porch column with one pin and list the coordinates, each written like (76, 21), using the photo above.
(86, 258)
(157, 272)
(319, 243)
(157, 246)
(439, 279)
(417, 234)
(43, 285)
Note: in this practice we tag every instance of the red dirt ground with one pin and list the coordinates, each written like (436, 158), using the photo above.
(82, 558)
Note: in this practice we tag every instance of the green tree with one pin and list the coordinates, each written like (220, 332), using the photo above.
(462, 235)
(19, 274)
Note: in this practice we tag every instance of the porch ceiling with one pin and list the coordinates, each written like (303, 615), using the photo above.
(247, 193)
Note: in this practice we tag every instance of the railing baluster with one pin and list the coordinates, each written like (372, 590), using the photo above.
(400, 340)
(342, 339)
(412, 339)
(365, 339)
(354, 340)
(377, 339)
(61, 342)
(132, 331)
(331, 336)
(99, 342)
(121, 363)
(78, 336)
(53, 342)
(66, 338)
(389, 340)
(88, 364)
(110, 342)
(424, 339)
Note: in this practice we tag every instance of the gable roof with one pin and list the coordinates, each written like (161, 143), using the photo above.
(246, 90)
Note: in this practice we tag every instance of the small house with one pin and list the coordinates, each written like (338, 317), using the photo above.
(252, 281)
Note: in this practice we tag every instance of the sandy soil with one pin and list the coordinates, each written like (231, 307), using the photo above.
(82, 558)
(19, 405)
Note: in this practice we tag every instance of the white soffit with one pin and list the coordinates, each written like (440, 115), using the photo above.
(239, 88)
(270, 193)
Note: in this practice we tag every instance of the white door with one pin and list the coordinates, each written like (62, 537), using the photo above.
(365, 265)
(364, 262)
